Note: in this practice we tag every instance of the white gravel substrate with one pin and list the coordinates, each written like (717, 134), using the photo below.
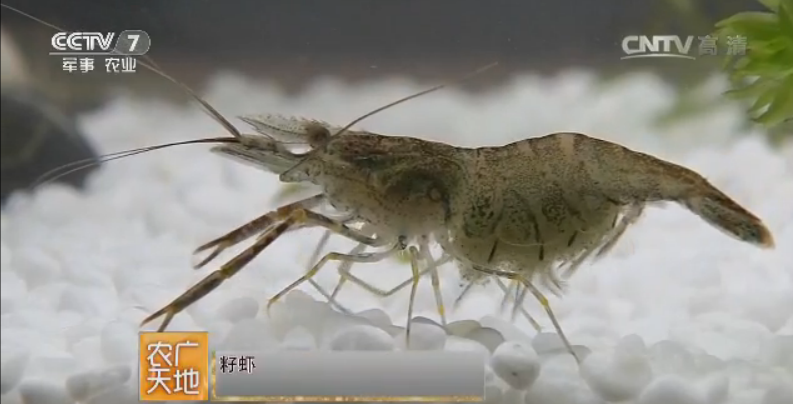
(679, 313)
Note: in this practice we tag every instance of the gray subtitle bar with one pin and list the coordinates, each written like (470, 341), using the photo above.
(349, 375)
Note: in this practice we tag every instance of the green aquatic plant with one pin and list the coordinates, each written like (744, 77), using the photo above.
(762, 73)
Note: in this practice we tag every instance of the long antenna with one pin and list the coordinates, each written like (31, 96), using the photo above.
(151, 65)
(74, 166)
(419, 94)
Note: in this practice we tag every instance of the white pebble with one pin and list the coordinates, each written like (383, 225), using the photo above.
(559, 389)
(238, 309)
(489, 337)
(297, 298)
(508, 330)
(6, 305)
(462, 328)
(41, 392)
(126, 393)
(67, 319)
(85, 385)
(76, 300)
(493, 395)
(86, 350)
(90, 327)
(707, 363)
(89, 300)
(251, 334)
(12, 287)
(12, 370)
(52, 361)
(334, 322)
(119, 342)
(767, 310)
(631, 345)
(490, 376)
(779, 393)
(36, 267)
(671, 389)
(620, 376)
(20, 339)
(460, 344)
(362, 338)
(511, 396)
(44, 297)
(298, 339)
(123, 280)
(87, 274)
(715, 388)
(750, 396)
(562, 366)
(547, 342)
(425, 335)
(779, 352)
(516, 363)
(377, 317)
(671, 357)
(300, 309)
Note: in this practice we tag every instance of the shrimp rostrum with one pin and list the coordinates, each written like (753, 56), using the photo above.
(524, 211)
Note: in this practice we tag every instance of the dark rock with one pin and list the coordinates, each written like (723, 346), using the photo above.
(35, 138)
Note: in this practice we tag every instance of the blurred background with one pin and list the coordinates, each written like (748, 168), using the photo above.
(293, 42)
